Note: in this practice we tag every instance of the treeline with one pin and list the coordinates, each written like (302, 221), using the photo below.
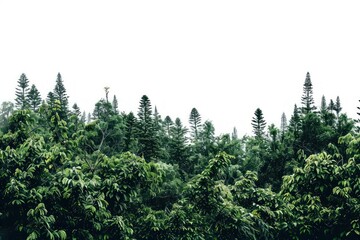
(65, 174)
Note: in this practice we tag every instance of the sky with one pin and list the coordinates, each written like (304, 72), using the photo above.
(225, 58)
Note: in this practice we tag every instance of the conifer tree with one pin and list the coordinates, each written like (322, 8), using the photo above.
(130, 141)
(50, 100)
(115, 105)
(88, 119)
(60, 95)
(6, 110)
(283, 125)
(146, 130)
(195, 123)
(103, 110)
(76, 110)
(167, 125)
(22, 91)
(83, 117)
(337, 106)
(258, 123)
(107, 93)
(323, 106)
(34, 98)
(234, 134)
(326, 115)
(157, 120)
(307, 99)
(178, 146)
(331, 106)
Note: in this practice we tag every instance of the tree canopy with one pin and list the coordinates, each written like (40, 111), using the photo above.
(141, 176)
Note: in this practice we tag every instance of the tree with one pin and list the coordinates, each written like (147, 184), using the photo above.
(34, 98)
(83, 117)
(324, 197)
(131, 141)
(337, 106)
(283, 125)
(310, 134)
(115, 105)
(59, 94)
(323, 106)
(207, 139)
(107, 93)
(295, 122)
(195, 123)
(22, 91)
(258, 123)
(234, 134)
(6, 110)
(167, 125)
(307, 99)
(103, 110)
(357, 129)
(178, 147)
(50, 99)
(148, 141)
(331, 106)
(327, 116)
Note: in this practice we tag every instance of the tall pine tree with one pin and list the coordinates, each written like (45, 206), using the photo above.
(34, 98)
(148, 142)
(337, 106)
(178, 147)
(115, 105)
(258, 123)
(22, 91)
(307, 98)
(195, 124)
(59, 94)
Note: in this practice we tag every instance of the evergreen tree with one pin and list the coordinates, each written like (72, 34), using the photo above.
(311, 131)
(115, 105)
(331, 106)
(76, 110)
(307, 99)
(323, 106)
(106, 94)
(207, 139)
(157, 120)
(50, 100)
(88, 119)
(178, 147)
(283, 125)
(83, 117)
(148, 141)
(7, 108)
(167, 125)
(337, 106)
(234, 134)
(59, 94)
(103, 110)
(131, 142)
(357, 129)
(22, 91)
(195, 123)
(258, 123)
(34, 98)
(327, 116)
(295, 128)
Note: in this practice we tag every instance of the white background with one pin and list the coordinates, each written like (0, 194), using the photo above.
(226, 58)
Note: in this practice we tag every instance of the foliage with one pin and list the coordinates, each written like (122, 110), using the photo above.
(126, 176)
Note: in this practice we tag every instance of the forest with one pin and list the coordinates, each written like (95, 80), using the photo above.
(66, 174)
